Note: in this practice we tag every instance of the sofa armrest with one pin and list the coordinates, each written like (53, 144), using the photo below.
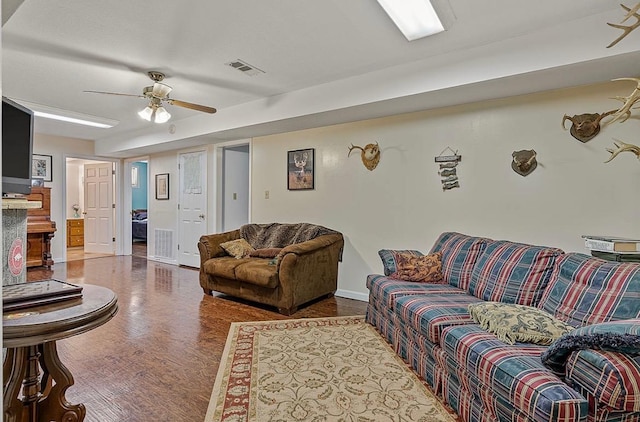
(609, 378)
(309, 269)
(209, 244)
(601, 361)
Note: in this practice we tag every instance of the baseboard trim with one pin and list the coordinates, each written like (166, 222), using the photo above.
(349, 294)
(163, 260)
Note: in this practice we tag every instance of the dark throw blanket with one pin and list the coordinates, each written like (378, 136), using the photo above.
(279, 235)
(555, 357)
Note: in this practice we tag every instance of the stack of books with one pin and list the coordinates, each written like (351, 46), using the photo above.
(613, 248)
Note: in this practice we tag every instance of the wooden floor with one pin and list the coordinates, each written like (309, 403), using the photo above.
(157, 359)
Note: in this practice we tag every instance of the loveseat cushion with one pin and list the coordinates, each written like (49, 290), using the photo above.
(429, 315)
(588, 290)
(459, 255)
(386, 290)
(514, 372)
(258, 271)
(513, 272)
(223, 266)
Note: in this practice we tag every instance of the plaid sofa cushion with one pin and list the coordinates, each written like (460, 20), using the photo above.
(514, 372)
(386, 290)
(429, 315)
(513, 272)
(459, 254)
(588, 290)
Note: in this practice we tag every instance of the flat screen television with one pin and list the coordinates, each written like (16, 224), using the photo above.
(17, 147)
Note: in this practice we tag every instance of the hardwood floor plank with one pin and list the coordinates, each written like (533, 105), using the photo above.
(156, 360)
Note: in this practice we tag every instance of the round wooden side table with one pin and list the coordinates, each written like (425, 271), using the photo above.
(35, 380)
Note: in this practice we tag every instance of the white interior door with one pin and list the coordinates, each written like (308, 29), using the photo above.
(98, 208)
(235, 206)
(192, 206)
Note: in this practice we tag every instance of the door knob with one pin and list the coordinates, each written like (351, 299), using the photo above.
(201, 216)
(84, 213)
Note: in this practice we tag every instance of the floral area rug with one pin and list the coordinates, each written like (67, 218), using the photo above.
(320, 369)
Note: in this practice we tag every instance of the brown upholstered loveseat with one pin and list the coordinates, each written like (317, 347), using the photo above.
(304, 269)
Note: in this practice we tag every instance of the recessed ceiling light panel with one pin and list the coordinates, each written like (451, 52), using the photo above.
(415, 18)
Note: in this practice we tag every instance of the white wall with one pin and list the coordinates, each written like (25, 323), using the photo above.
(401, 203)
(162, 213)
(58, 147)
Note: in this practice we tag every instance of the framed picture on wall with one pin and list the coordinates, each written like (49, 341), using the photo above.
(41, 167)
(162, 186)
(300, 169)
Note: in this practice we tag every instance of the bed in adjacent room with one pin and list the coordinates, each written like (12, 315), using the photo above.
(139, 225)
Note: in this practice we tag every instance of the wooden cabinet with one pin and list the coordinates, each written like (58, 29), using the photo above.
(40, 229)
(75, 232)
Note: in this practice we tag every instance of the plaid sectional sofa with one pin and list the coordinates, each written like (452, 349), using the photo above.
(590, 374)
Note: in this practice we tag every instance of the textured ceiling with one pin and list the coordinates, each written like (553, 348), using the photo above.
(53, 50)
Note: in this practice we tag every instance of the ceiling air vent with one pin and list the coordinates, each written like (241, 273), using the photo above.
(245, 67)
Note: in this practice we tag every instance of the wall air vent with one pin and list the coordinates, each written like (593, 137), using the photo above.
(245, 67)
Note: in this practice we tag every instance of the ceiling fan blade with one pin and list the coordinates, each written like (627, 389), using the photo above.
(115, 93)
(192, 106)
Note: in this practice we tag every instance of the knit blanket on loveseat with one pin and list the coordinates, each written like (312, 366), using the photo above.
(279, 235)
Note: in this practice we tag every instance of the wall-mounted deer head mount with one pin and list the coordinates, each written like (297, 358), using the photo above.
(585, 127)
(370, 155)
(622, 147)
(524, 161)
(631, 12)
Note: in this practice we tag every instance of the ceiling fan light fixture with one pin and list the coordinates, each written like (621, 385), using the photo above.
(162, 115)
(161, 90)
(146, 113)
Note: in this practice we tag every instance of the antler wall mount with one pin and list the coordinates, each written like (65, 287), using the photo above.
(370, 155)
(585, 127)
(631, 12)
(628, 102)
(622, 147)
(524, 161)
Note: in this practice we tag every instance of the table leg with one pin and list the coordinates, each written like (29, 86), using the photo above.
(54, 406)
(13, 373)
(43, 397)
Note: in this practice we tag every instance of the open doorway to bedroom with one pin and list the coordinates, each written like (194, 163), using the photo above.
(139, 207)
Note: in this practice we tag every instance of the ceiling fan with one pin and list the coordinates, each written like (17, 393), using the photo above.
(157, 94)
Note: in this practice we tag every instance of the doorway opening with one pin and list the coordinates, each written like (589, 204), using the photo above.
(90, 215)
(139, 207)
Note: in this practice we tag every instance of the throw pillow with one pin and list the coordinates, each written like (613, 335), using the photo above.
(265, 253)
(388, 257)
(425, 269)
(238, 248)
(513, 322)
